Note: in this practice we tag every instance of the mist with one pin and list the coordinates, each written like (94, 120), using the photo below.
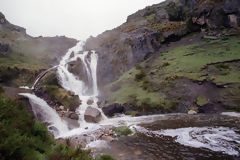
(73, 18)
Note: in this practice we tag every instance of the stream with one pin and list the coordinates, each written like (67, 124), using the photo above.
(170, 136)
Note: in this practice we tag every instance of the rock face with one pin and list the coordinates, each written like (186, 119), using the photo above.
(192, 112)
(4, 48)
(92, 115)
(73, 116)
(113, 109)
(146, 32)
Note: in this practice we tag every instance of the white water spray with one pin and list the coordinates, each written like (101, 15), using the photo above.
(48, 115)
(219, 139)
(85, 90)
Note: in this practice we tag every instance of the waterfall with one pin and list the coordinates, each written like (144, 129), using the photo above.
(71, 82)
(40, 76)
(85, 90)
(46, 114)
(94, 59)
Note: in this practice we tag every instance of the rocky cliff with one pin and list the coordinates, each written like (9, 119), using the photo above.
(183, 56)
(149, 30)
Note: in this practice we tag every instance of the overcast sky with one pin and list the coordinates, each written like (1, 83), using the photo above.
(73, 18)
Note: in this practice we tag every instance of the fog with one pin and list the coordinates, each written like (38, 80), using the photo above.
(73, 18)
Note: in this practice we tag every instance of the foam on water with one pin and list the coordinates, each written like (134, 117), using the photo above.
(24, 87)
(48, 115)
(219, 139)
(98, 144)
(231, 114)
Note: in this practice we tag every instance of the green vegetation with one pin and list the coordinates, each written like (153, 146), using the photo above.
(58, 94)
(22, 137)
(24, 52)
(105, 157)
(192, 61)
(26, 55)
(201, 101)
(17, 77)
(123, 131)
(148, 85)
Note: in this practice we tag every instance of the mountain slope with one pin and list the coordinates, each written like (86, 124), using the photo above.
(202, 76)
(149, 30)
(26, 55)
(183, 55)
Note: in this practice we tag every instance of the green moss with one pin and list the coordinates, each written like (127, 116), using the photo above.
(104, 157)
(123, 131)
(201, 101)
(190, 60)
(1, 90)
(151, 17)
(132, 113)
(60, 95)
(151, 80)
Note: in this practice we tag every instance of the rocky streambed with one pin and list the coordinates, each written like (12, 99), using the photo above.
(178, 136)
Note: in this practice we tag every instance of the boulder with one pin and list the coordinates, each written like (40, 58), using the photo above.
(92, 115)
(90, 102)
(112, 109)
(191, 112)
(61, 107)
(233, 20)
(4, 48)
(73, 116)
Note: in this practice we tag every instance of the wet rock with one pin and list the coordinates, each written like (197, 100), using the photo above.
(61, 107)
(53, 130)
(4, 48)
(71, 122)
(192, 112)
(92, 115)
(108, 138)
(233, 20)
(113, 109)
(72, 115)
(90, 102)
(77, 68)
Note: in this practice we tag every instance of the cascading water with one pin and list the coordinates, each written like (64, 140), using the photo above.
(88, 90)
(46, 114)
(94, 59)
(85, 90)
(42, 75)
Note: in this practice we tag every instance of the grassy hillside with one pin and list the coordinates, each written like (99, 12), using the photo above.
(204, 71)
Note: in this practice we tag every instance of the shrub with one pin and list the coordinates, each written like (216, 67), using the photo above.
(139, 76)
(123, 131)
(222, 66)
(104, 157)
(132, 99)
(1, 90)
(40, 130)
(201, 101)
(165, 64)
